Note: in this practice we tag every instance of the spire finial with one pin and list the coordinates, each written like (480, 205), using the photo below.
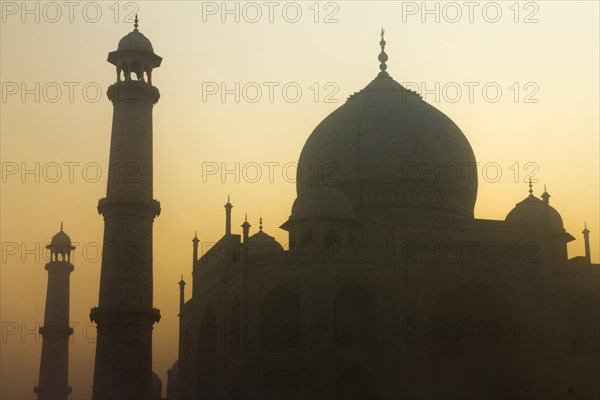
(135, 24)
(545, 188)
(530, 187)
(61, 225)
(382, 56)
(260, 223)
(196, 234)
(246, 217)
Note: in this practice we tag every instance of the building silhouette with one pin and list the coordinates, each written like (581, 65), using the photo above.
(54, 365)
(125, 313)
(390, 287)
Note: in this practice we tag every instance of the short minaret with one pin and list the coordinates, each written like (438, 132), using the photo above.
(195, 241)
(54, 366)
(228, 208)
(586, 240)
(181, 294)
(246, 228)
(125, 315)
(545, 196)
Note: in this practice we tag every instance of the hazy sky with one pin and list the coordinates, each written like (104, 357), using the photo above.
(520, 79)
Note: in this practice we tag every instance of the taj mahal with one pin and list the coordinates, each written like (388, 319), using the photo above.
(391, 287)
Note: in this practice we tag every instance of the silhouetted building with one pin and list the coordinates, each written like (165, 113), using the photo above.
(390, 287)
(54, 365)
(125, 315)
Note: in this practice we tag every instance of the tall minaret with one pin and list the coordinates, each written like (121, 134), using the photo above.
(180, 315)
(125, 314)
(54, 366)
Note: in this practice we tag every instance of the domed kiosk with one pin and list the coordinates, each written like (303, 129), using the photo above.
(134, 54)
(60, 245)
(535, 214)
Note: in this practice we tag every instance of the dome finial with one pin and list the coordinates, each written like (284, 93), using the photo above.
(61, 226)
(382, 56)
(530, 187)
(260, 223)
(135, 24)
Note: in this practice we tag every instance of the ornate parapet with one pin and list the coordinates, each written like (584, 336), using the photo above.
(109, 316)
(133, 91)
(109, 207)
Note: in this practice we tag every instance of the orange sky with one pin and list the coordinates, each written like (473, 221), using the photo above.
(543, 57)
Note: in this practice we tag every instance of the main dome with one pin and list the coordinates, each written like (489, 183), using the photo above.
(387, 145)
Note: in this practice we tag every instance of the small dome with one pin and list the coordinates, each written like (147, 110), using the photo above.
(260, 248)
(261, 238)
(61, 239)
(322, 201)
(535, 214)
(135, 40)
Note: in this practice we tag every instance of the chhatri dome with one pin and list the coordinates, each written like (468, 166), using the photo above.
(61, 238)
(534, 213)
(387, 147)
(135, 55)
(135, 40)
(60, 245)
(264, 241)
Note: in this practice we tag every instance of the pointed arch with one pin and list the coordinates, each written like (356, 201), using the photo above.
(355, 383)
(332, 239)
(207, 355)
(475, 354)
(235, 316)
(281, 383)
(307, 238)
(584, 325)
(234, 388)
(354, 317)
(280, 319)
